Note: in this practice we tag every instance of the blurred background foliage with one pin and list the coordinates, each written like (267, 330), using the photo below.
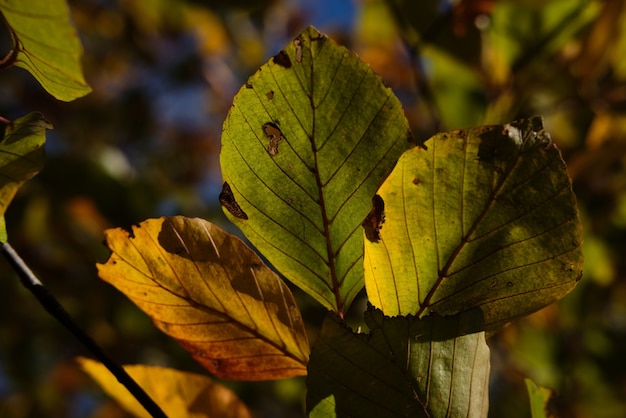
(145, 143)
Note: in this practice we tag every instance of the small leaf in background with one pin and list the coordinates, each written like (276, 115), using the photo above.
(539, 398)
(22, 156)
(485, 217)
(179, 394)
(552, 24)
(46, 44)
(405, 367)
(307, 142)
(442, 26)
(213, 294)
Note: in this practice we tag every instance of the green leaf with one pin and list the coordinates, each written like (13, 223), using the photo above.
(4, 236)
(405, 367)
(21, 157)
(539, 398)
(46, 44)
(525, 34)
(485, 217)
(307, 142)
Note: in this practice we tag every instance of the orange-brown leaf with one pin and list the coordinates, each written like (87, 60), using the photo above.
(179, 394)
(213, 294)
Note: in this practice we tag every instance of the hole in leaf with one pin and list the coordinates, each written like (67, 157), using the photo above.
(298, 44)
(227, 199)
(282, 59)
(374, 220)
(275, 135)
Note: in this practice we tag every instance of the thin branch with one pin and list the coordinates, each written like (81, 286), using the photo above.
(50, 304)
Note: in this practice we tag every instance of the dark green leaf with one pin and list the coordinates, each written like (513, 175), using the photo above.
(405, 367)
(21, 157)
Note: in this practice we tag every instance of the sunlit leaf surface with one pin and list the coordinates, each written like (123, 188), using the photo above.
(539, 397)
(485, 217)
(213, 294)
(307, 142)
(179, 394)
(21, 157)
(406, 367)
(46, 44)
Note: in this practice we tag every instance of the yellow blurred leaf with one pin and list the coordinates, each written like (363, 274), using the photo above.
(208, 29)
(599, 47)
(213, 294)
(605, 127)
(179, 394)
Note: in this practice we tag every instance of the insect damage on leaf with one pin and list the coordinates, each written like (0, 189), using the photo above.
(375, 219)
(227, 199)
(298, 44)
(282, 59)
(275, 135)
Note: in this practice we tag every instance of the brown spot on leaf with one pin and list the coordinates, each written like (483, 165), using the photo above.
(416, 181)
(227, 199)
(282, 59)
(375, 219)
(248, 85)
(272, 131)
(270, 95)
(298, 44)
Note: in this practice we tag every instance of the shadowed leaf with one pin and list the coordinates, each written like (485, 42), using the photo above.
(405, 367)
(209, 291)
(179, 394)
(45, 43)
(485, 217)
(21, 157)
(307, 142)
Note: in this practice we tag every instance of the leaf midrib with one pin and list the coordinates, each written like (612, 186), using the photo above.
(325, 220)
(188, 298)
(443, 273)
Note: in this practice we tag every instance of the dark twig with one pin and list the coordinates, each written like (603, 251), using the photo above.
(50, 304)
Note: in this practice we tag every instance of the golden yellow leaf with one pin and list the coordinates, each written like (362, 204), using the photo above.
(179, 394)
(213, 294)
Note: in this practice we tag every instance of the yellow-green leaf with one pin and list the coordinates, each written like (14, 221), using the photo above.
(46, 44)
(485, 217)
(539, 397)
(179, 394)
(209, 291)
(21, 157)
(307, 142)
(405, 367)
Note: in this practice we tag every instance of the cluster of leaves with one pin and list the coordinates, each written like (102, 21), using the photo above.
(335, 132)
(307, 142)
(509, 85)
